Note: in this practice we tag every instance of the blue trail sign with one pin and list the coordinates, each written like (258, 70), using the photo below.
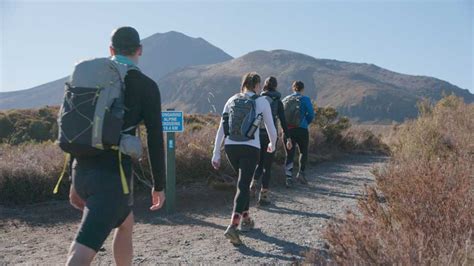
(173, 121)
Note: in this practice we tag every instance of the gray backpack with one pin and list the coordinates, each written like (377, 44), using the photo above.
(91, 116)
(242, 114)
(292, 106)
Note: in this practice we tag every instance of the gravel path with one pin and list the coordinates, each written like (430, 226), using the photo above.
(41, 234)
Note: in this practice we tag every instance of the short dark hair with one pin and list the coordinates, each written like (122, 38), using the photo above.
(298, 85)
(125, 41)
(126, 51)
(270, 84)
(250, 81)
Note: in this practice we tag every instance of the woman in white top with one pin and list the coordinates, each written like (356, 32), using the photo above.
(243, 151)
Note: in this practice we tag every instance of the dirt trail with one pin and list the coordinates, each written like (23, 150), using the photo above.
(41, 234)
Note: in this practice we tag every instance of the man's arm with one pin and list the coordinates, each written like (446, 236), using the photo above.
(151, 112)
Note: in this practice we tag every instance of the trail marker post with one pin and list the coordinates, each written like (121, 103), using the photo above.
(173, 121)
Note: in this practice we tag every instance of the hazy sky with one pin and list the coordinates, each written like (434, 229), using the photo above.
(40, 41)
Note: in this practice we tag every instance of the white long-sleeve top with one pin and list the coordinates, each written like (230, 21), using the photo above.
(262, 107)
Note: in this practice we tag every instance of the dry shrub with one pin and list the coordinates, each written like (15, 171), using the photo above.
(387, 133)
(333, 134)
(194, 150)
(317, 139)
(363, 141)
(421, 209)
(28, 173)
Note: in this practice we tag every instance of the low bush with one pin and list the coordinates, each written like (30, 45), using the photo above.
(28, 173)
(420, 211)
(29, 169)
(363, 141)
(19, 126)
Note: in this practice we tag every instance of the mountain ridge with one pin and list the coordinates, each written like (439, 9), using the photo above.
(196, 76)
(365, 92)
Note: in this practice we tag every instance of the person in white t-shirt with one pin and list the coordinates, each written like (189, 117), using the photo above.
(239, 130)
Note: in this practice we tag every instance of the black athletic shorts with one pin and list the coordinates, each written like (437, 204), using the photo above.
(97, 181)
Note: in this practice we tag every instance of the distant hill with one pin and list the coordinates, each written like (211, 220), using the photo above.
(47, 94)
(363, 92)
(195, 76)
(162, 53)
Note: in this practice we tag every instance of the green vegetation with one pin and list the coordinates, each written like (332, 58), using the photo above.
(19, 126)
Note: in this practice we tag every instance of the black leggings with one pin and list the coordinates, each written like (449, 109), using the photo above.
(265, 163)
(299, 136)
(243, 159)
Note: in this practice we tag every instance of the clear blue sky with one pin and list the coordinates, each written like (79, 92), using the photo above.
(40, 41)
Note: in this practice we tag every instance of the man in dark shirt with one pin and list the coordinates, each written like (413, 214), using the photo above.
(96, 188)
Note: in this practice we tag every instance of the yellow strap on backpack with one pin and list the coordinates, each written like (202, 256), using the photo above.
(122, 175)
(67, 157)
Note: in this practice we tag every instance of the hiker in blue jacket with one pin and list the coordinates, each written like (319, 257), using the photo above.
(299, 114)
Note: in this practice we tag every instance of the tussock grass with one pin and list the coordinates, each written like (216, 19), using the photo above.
(420, 211)
(28, 173)
(29, 170)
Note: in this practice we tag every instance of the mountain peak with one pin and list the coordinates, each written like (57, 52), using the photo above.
(162, 54)
(276, 57)
(175, 36)
(167, 35)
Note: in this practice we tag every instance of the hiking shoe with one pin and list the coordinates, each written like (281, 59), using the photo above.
(247, 225)
(264, 198)
(232, 234)
(253, 188)
(289, 182)
(301, 177)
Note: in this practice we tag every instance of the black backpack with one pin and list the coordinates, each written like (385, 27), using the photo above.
(292, 106)
(272, 97)
(91, 116)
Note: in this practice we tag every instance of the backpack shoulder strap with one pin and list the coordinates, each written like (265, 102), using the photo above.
(254, 97)
(123, 69)
(269, 99)
(237, 96)
(133, 67)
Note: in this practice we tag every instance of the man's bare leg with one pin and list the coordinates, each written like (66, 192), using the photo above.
(80, 254)
(123, 246)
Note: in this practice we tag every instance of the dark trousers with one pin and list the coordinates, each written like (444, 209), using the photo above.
(299, 136)
(265, 163)
(243, 159)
